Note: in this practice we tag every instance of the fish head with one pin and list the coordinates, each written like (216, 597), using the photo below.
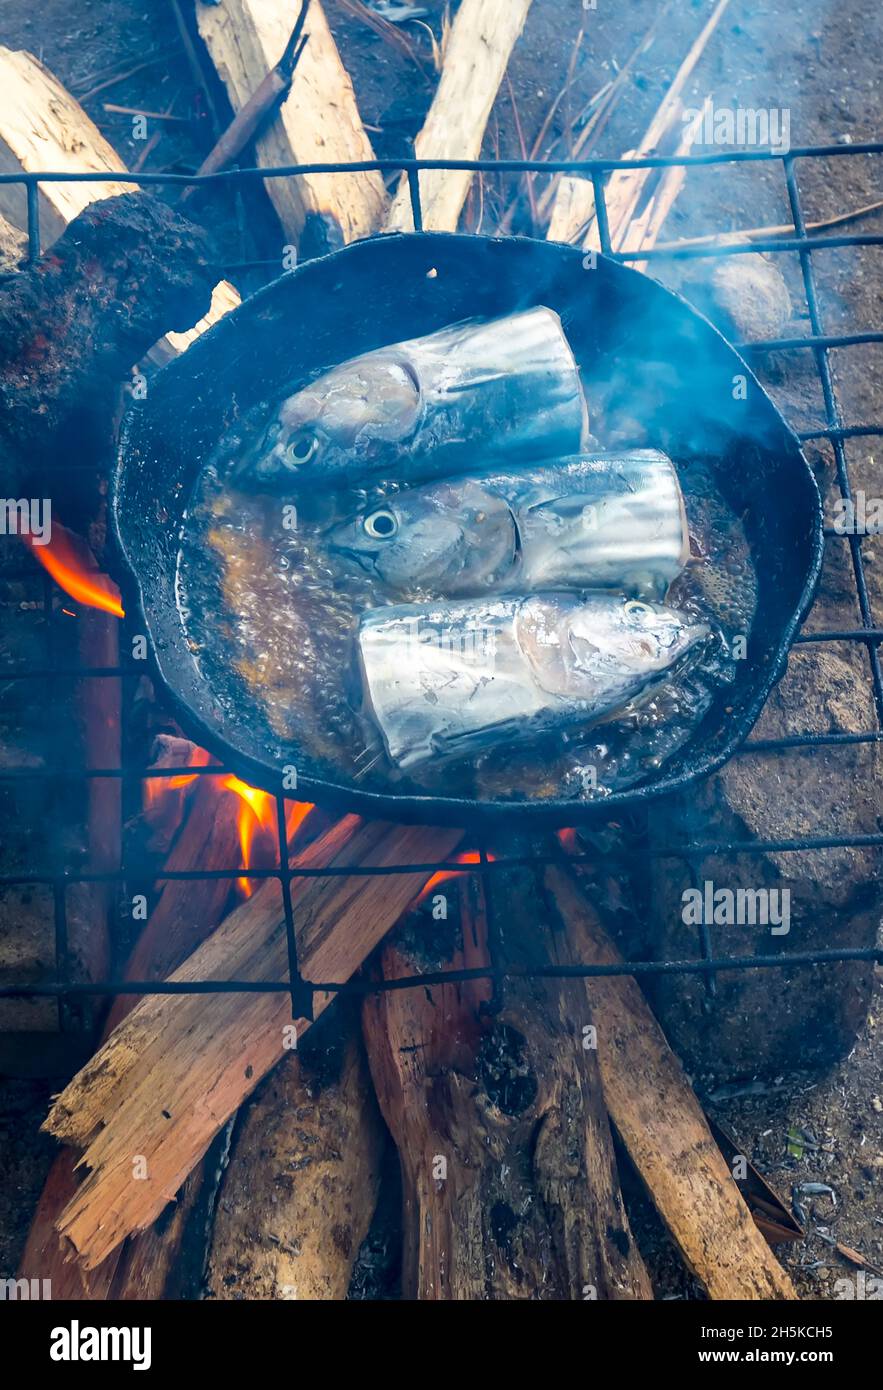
(648, 639)
(348, 419)
(450, 538)
(605, 646)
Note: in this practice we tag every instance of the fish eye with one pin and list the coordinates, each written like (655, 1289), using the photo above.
(636, 609)
(380, 525)
(301, 449)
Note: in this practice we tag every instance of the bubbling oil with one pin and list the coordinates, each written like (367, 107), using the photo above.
(272, 625)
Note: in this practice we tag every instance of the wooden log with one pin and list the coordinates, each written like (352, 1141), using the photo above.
(318, 121)
(480, 44)
(72, 325)
(177, 924)
(303, 1176)
(171, 1075)
(42, 127)
(572, 211)
(656, 1113)
(509, 1183)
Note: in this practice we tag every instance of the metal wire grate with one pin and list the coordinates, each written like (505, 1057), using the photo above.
(866, 634)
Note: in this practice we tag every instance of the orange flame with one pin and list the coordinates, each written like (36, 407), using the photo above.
(71, 564)
(470, 857)
(256, 813)
(155, 786)
(296, 813)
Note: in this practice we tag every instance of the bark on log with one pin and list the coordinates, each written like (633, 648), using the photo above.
(509, 1182)
(482, 37)
(302, 1181)
(318, 122)
(173, 1073)
(72, 325)
(659, 1120)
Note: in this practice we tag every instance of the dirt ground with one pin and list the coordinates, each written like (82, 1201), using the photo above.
(819, 61)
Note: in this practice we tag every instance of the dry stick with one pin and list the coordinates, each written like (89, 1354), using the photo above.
(656, 1113)
(172, 1074)
(178, 922)
(317, 121)
(782, 229)
(528, 1203)
(388, 32)
(625, 186)
(612, 94)
(263, 101)
(481, 41)
(531, 196)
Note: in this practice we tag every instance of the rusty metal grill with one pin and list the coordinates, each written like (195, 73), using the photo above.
(868, 635)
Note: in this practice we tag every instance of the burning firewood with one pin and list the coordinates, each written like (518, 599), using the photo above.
(184, 914)
(318, 121)
(509, 1182)
(171, 1075)
(480, 44)
(301, 1185)
(653, 1107)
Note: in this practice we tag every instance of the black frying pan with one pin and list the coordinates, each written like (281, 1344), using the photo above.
(680, 376)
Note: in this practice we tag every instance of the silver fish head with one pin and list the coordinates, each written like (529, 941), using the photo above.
(452, 538)
(348, 418)
(604, 647)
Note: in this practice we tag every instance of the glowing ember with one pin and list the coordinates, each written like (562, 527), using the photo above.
(567, 840)
(72, 566)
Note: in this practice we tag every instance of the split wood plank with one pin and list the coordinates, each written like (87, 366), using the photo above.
(318, 122)
(480, 44)
(658, 1117)
(168, 1079)
(185, 913)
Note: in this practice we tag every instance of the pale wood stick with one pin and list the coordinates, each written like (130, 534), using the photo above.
(482, 37)
(318, 121)
(653, 1107)
(42, 127)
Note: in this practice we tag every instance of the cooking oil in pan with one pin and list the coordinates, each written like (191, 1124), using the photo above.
(272, 623)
